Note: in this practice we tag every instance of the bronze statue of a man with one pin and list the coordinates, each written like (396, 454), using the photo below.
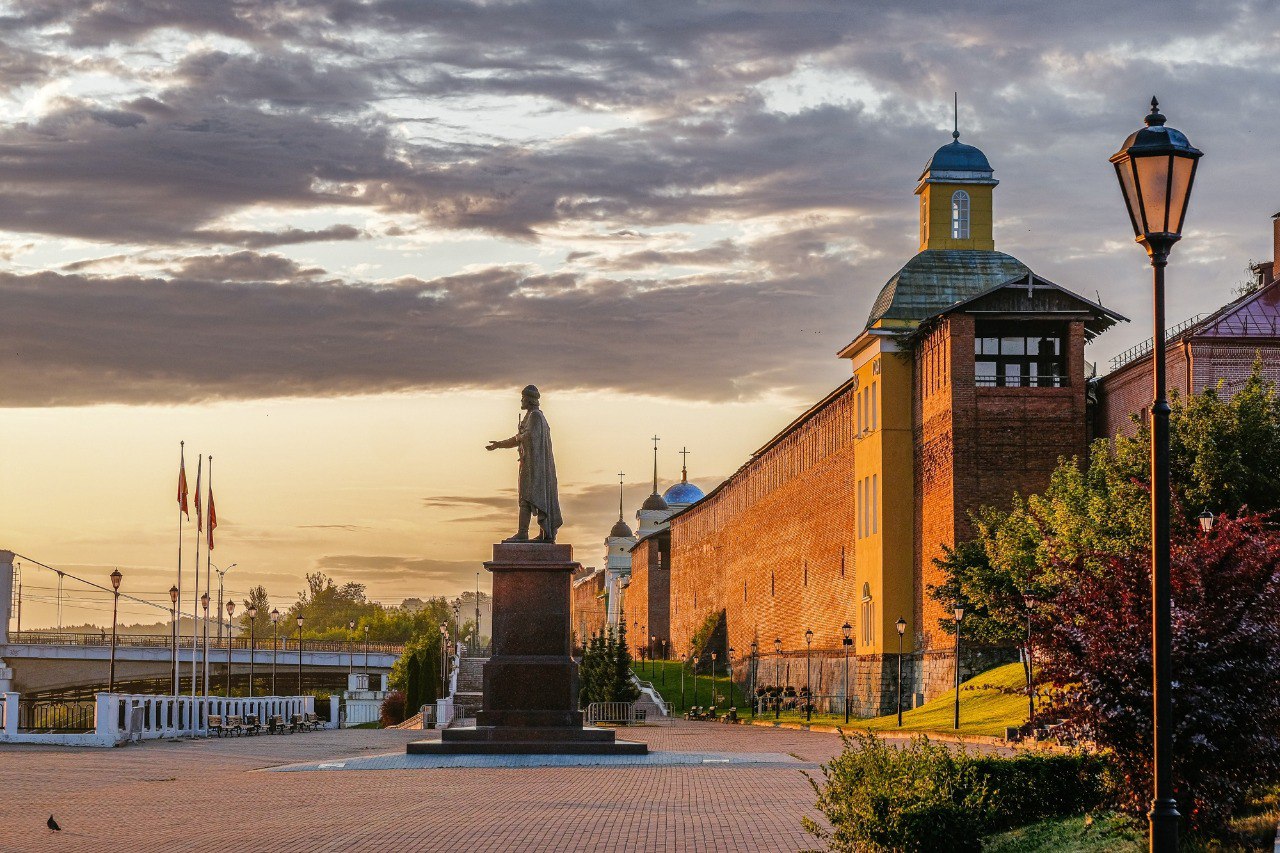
(538, 487)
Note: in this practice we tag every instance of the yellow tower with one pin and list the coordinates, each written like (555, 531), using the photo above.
(955, 199)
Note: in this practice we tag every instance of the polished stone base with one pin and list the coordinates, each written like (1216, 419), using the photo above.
(526, 740)
(531, 681)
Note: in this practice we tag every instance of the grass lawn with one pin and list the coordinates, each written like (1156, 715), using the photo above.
(988, 702)
(1080, 834)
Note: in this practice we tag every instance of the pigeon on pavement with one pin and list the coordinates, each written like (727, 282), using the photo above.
(53, 824)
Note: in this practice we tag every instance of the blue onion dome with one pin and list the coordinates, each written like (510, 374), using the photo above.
(654, 501)
(620, 530)
(956, 156)
(683, 493)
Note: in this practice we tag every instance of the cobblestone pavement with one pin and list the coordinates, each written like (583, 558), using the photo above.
(211, 795)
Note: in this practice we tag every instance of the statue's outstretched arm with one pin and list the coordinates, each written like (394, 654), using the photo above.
(514, 441)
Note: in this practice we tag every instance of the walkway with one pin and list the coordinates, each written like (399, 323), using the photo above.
(210, 795)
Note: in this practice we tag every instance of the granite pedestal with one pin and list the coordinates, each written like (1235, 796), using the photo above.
(531, 681)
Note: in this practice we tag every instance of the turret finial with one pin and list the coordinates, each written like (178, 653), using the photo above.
(620, 480)
(955, 134)
(655, 464)
(684, 465)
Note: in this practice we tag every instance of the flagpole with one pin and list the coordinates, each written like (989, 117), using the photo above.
(208, 576)
(196, 619)
(177, 631)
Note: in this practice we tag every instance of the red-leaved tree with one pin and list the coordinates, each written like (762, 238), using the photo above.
(1226, 665)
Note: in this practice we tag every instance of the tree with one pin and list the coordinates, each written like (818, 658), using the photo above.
(605, 672)
(257, 598)
(1226, 593)
(1222, 457)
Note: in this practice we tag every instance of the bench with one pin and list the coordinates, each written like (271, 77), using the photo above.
(251, 724)
(214, 725)
(730, 716)
(276, 725)
(312, 722)
(235, 725)
(694, 713)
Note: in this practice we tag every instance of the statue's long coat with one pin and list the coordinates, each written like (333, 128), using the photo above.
(538, 486)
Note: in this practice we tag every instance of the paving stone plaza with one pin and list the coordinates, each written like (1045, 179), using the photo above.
(703, 787)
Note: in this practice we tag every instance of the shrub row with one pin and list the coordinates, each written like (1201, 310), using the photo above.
(923, 796)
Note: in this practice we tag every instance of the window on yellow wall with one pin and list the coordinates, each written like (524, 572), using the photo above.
(875, 414)
(875, 503)
(960, 215)
(924, 220)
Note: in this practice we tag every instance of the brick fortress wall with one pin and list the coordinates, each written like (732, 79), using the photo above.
(648, 599)
(774, 548)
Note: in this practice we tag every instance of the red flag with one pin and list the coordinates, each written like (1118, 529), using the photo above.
(199, 514)
(182, 485)
(213, 518)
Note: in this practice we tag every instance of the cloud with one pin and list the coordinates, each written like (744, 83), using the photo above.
(244, 266)
(380, 569)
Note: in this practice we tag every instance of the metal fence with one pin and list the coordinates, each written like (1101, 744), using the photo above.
(823, 703)
(622, 713)
(51, 715)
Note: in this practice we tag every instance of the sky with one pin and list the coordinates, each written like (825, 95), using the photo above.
(327, 242)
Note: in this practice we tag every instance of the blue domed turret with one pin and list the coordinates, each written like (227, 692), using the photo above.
(683, 494)
(956, 156)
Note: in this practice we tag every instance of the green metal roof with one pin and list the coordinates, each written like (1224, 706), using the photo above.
(936, 279)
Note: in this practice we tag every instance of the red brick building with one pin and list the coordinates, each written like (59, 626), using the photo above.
(1216, 350)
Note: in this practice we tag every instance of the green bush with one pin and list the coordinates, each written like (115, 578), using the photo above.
(924, 796)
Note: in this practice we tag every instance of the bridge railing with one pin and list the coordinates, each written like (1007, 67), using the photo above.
(164, 641)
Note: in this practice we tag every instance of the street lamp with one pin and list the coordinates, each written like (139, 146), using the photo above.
(653, 641)
(444, 661)
(204, 607)
(729, 657)
(808, 675)
(275, 645)
(1206, 520)
(713, 678)
(959, 614)
(231, 608)
(253, 645)
(351, 627)
(115, 610)
(173, 614)
(299, 653)
(366, 657)
(777, 676)
(755, 665)
(664, 662)
(846, 631)
(1029, 601)
(901, 625)
(1156, 167)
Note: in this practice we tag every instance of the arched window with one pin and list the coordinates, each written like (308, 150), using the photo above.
(960, 215)
(868, 616)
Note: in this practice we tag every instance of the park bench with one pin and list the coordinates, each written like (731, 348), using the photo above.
(730, 716)
(251, 724)
(313, 722)
(235, 725)
(276, 725)
(710, 714)
(215, 724)
(296, 723)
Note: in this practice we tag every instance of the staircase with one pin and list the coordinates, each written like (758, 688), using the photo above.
(470, 695)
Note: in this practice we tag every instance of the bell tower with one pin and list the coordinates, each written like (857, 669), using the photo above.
(955, 198)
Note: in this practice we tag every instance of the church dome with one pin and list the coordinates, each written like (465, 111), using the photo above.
(654, 501)
(620, 530)
(956, 156)
(683, 493)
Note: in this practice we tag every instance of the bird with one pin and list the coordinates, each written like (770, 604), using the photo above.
(53, 824)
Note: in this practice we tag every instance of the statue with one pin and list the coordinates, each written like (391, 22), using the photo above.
(538, 488)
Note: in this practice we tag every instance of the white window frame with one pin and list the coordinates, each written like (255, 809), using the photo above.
(959, 215)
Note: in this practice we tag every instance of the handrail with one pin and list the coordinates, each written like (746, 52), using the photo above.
(164, 641)
(1143, 349)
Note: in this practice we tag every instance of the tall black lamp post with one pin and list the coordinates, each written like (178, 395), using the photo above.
(366, 657)
(231, 609)
(959, 614)
(275, 646)
(808, 674)
(173, 613)
(115, 612)
(204, 659)
(299, 654)
(777, 669)
(901, 625)
(846, 637)
(729, 657)
(351, 648)
(253, 643)
(1029, 601)
(755, 672)
(1156, 167)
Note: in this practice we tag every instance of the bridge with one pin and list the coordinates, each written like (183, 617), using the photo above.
(50, 661)
(35, 662)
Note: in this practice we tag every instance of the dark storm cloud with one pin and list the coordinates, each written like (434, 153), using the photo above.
(244, 266)
(133, 339)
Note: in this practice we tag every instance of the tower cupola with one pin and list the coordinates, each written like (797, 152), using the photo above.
(955, 197)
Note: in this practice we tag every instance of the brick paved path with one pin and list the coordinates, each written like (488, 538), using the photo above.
(207, 795)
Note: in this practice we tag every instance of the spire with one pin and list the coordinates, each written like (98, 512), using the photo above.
(655, 464)
(684, 465)
(955, 106)
(620, 476)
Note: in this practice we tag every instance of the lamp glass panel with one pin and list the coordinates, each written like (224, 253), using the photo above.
(1180, 191)
(1124, 171)
(1153, 180)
